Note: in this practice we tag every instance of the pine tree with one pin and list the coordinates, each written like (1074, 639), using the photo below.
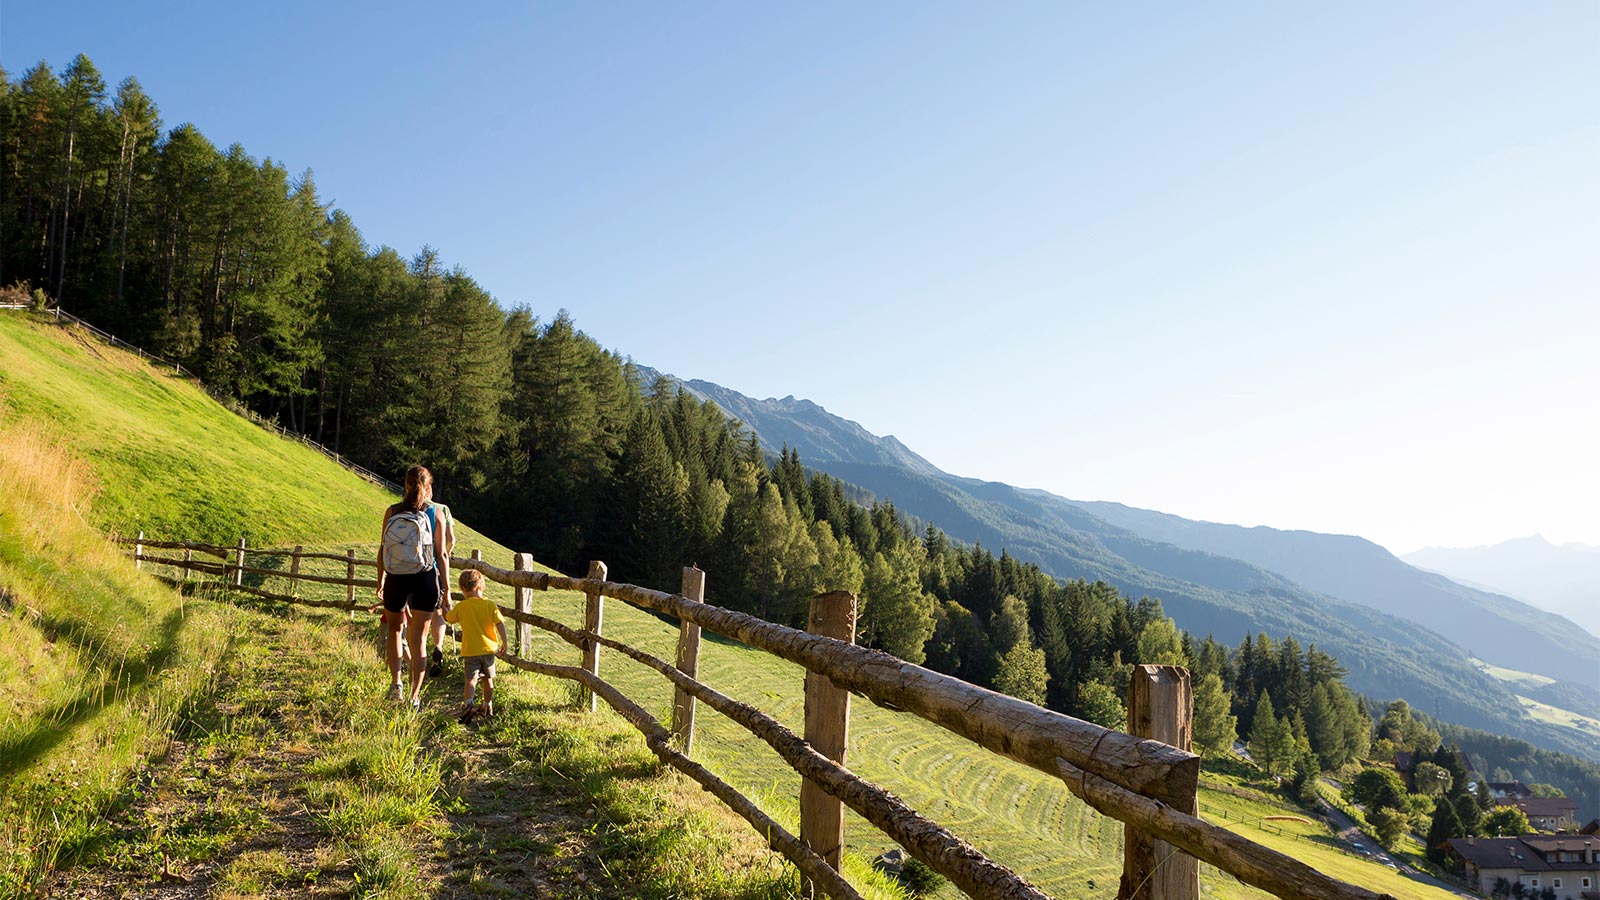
(1271, 738)
(1469, 814)
(1099, 703)
(1445, 826)
(896, 615)
(1009, 625)
(1021, 673)
(1159, 644)
(1215, 729)
(647, 509)
(1323, 728)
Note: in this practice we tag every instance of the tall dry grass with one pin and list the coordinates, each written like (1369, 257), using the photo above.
(101, 661)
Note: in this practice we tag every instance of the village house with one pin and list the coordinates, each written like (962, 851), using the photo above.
(1546, 813)
(1567, 864)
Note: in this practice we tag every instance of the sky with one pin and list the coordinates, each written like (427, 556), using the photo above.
(1317, 266)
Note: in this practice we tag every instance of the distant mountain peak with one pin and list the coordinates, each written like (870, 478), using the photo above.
(800, 424)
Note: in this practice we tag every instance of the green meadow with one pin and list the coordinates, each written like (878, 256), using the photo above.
(151, 452)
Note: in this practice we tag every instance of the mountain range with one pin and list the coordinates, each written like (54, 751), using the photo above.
(1402, 632)
(1563, 578)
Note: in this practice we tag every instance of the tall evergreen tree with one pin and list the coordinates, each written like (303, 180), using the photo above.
(896, 615)
(1215, 728)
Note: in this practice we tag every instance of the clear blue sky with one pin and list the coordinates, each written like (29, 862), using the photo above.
(1325, 266)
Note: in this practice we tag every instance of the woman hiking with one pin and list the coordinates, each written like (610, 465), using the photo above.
(414, 574)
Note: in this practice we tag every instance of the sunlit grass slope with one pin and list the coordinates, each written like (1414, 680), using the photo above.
(164, 450)
(99, 660)
(171, 461)
(1013, 813)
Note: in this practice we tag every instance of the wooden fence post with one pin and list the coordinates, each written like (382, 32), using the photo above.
(827, 731)
(138, 551)
(188, 557)
(694, 588)
(1160, 707)
(523, 562)
(294, 570)
(593, 614)
(238, 572)
(350, 580)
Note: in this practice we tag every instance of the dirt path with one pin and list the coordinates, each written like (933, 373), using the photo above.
(296, 779)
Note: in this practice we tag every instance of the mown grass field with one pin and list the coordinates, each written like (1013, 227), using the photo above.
(1537, 710)
(1512, 676)
(173, 463)
(1555, 715)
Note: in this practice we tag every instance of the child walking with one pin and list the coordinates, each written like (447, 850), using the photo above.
(483, 634)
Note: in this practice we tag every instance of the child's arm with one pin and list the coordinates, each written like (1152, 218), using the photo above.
(501, 626)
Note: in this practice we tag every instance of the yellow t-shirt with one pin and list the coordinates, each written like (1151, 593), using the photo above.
(477, 617)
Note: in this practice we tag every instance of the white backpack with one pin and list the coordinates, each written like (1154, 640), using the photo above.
(408, 542)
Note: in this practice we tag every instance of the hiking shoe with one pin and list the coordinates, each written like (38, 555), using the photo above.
(467, 712)
(416, 705)
(394, 692)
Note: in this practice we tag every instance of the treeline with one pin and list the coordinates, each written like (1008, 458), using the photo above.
(1504, 759)
(550, 442)
(1443, 791)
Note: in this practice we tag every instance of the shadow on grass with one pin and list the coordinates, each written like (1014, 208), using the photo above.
(58, 722)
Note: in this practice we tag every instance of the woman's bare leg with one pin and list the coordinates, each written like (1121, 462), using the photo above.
(391, 644)
(415, 627)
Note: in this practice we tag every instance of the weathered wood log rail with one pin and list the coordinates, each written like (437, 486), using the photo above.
(1146, 783)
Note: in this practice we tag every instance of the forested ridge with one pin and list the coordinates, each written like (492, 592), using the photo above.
(554, 444)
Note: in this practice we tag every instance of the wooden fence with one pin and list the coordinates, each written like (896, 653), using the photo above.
(1146, 779)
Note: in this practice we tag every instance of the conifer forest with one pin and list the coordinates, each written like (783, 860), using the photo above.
(237, 267)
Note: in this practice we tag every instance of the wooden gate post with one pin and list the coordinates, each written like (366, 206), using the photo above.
(350, 580)
(694, 588)
(828, 732)
(523, 562)
(593, 614)
(138, 552)
(238, 571)
(294, 570)
(1160, 707)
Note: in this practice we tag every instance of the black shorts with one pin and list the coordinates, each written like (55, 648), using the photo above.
(420, 591)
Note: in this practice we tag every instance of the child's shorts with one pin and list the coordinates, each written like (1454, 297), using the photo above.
(479, 664)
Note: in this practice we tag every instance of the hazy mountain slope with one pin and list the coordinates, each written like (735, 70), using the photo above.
(1562, 579)
(1490, 626)
(1387, 656)
(1206, 592)
(817, 433)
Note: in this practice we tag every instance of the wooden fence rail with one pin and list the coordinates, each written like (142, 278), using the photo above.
(1147, 783)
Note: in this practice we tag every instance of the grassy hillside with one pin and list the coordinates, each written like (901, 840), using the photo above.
(171, 447)
(100, 662)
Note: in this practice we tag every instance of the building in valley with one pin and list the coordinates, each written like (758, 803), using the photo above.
(1568, 864)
